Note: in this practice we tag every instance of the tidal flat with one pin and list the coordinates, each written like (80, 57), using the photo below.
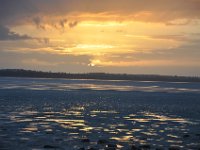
(61, 114)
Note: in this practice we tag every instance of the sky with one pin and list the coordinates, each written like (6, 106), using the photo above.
(112, 36)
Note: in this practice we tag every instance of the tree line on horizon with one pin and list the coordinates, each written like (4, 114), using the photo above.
(103, 76)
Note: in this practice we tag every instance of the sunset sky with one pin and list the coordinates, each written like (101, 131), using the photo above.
(115, 36)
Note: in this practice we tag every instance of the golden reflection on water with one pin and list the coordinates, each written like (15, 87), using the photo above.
(102, 86)
(148, 117)
(76, 122)
(30, 129)
(122, 138)
(104, 112)
(135, 86)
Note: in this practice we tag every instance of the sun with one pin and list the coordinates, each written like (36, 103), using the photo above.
(91, 65)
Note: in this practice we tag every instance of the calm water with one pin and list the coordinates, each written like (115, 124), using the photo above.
(37, 113)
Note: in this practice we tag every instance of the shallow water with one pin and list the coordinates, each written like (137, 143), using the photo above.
(35, 113)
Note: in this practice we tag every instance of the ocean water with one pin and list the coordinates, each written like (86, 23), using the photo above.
(37, 114)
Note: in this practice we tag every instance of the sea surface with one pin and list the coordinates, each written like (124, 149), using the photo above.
(62, 114)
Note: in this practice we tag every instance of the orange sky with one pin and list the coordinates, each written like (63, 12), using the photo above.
(129, 36)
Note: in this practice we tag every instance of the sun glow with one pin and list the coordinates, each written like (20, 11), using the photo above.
(102, 24)
(91, 46)
(98, 35)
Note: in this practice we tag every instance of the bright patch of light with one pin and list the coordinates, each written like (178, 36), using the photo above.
(100, 24)
(90, 46)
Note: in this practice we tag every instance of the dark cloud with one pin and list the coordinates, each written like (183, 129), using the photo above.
(12, 11)
(59, 24)
(160, 10)
(73, 24)
(38, 22)
(63, 22)
(6, 34)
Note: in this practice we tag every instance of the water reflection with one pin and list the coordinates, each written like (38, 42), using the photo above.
(99, 85)
(47, 115)
(70, 125)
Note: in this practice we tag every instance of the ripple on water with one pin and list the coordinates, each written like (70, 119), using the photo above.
(74, 123)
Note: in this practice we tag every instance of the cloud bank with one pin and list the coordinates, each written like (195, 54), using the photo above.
(143, 10)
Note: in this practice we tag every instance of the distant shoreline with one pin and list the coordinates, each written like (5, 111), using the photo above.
(94, 76)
